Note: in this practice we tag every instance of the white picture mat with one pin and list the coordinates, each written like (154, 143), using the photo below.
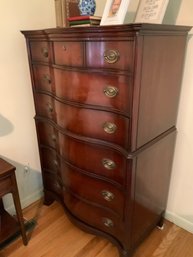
(119, 17)
(151, 11)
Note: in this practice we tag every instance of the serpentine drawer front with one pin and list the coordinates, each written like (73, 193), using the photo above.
(39, 51)
(106, 103)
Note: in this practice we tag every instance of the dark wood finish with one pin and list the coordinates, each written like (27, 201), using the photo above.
(93, 215)
(83, 121)
(8, 184)
(39, 51)
(160, 86)
(95, 54)
(92, 90)
(84, 155)
(42, 74)
(63, 53)
(112, 179)
(152, 176)
(75, 181)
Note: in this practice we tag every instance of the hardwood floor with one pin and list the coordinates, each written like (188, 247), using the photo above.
(55, 236)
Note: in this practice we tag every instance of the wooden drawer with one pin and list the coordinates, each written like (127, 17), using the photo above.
(5, 185)
(45, 106)
(110, 54)
(85, 122)
(50, 160)
(47, 135)
(42, 78)
(109, 91)
(93, 158)
(39, 51)
(69, 53)
(94, 216)
(96, 190)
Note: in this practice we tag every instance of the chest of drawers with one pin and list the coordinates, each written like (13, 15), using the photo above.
(106, 105)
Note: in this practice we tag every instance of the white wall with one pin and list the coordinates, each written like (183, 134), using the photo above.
(17, 130)
(180, 202)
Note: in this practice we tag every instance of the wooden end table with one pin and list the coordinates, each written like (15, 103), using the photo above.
(8, 184)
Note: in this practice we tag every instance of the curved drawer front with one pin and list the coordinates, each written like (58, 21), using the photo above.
(92, 158)
(93, 123)
(96, 190)
(39, 51)
(94, 216)
(85, 122)
(45, 106)
(69, 53)
(47, 135)
(50, 160)
(110, 54)
(42, 78)
(112, 91)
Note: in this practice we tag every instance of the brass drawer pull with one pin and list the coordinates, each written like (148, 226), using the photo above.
(108, 222)
(64, 48)
(54, 138)
(108, 164)
(107, 195)
(46, 78)
(111, 56)
(56, 163)
(109, 127)
(44, 51)
(111, 91)
(50, 107)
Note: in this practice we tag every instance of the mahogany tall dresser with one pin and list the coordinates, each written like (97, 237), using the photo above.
(106, 103)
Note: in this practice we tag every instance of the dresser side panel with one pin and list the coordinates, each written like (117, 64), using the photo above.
(152, 179)
(162, 67)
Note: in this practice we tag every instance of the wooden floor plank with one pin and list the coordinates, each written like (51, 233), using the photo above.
(55, 236)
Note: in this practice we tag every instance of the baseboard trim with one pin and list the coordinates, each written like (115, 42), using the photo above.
(27, 201)
(179, 221)
(32, 198)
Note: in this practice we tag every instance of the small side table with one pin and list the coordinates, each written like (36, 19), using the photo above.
(8, 184)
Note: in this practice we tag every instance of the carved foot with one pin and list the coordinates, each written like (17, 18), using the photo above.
(160, 224)
(125, 253)
(48, 200)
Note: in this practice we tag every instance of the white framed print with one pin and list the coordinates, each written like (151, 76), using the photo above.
(114, 12)
(151, 11)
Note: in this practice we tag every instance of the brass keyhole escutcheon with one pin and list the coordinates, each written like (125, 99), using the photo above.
(46, 78)
(64, 48)
(54, 139)
(44, 51)
(50, 107)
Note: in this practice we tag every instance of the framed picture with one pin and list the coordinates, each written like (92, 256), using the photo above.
(114, 12)
(151, 11)
(65, 9)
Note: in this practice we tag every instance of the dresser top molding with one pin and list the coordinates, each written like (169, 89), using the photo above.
(109, 31)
